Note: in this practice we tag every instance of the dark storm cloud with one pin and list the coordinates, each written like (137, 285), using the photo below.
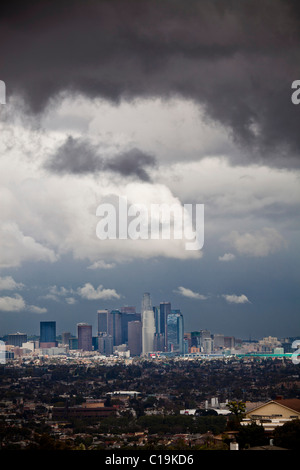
(132, 163)
(238, 59)
(79, 156)
(75, 156)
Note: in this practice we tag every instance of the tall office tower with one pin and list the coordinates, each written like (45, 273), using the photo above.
(148, 325)
(188, 341)
(127, 317)
(159, 342)
(105, 344)
(65, 337)
(135, 338)
(175, 331)
(172, 333)
(165, 310)
(208, 345)
(16, 339)
(84, 332)
(115, 326)
(180, 331)
(148, 331)
(204, 335)
(156, 311)
(218, 341)
(102, 321)
(229, 342)
(128, 314)
(95, 343)
(146, 302)
(195, 339)
(48, 334)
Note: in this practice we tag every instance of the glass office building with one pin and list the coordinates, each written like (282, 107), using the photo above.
(175, 332)
(165, 310)
(48, 334)
(85, 341)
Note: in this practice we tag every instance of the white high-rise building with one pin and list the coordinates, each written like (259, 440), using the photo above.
(146, 302)
(148, 325)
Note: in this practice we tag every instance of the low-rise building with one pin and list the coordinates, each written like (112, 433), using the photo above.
(273, 413)
(86, 410)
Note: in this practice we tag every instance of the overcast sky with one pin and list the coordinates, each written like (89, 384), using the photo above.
(160, 102)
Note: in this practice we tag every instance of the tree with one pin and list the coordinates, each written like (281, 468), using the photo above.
(288, 435)
(251, 435)
(237, 408)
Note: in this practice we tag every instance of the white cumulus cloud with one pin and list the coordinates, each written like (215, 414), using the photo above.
(189, 293)
(227, 257)
(8, 283)
(101, 265)
(35, 309)
(16, 303)
(236, 299)
(90, 293)
(17, 247)
(12, 304)
(258, 244)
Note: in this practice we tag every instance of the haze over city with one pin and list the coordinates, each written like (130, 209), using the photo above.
(158, 102)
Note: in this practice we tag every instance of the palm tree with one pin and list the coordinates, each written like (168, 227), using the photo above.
(237, 408)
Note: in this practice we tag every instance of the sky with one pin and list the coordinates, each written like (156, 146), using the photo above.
(153, 102)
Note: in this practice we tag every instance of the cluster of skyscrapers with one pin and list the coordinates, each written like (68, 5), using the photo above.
(154, 329)
(126, 332)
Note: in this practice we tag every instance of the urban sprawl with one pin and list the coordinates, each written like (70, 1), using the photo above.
(142, 382)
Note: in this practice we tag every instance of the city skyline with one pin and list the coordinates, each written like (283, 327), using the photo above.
(116, 329)
(156, 103)
(90, 318)
(109, 345)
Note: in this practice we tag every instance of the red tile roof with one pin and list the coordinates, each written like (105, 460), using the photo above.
(292, 403)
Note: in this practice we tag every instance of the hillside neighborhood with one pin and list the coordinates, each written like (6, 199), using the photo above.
(64, 404)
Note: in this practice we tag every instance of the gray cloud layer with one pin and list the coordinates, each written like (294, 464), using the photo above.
(237, 59)
(79, 156)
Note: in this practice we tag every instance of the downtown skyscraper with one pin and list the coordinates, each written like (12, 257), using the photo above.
(135, 338)
(148, 325)
(48, 334)
(164, 312)
(84, 332)
(175, 331)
